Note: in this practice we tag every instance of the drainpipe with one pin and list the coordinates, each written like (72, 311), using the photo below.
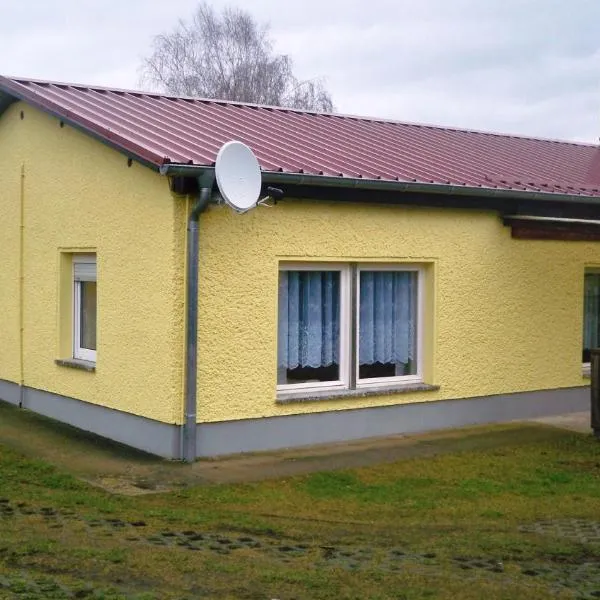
(21, 288)
(191, 318)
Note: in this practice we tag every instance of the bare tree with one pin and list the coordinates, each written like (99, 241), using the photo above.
(229, 56)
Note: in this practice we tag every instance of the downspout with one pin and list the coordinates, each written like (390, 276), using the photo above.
(21, 287)
(191, 319)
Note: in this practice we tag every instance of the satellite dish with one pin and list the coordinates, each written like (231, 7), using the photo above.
(238, 176)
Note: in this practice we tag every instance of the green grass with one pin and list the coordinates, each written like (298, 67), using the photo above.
(327, 535)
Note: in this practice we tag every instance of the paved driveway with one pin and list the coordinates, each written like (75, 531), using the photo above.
(579, 421)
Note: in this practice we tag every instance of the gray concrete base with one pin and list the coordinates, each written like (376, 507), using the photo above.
(10, 392)
(274, 433)
(151, 436)
(252, 435)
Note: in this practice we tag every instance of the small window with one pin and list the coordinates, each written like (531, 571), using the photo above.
(591, 314)
(84, 307)
(348, 326)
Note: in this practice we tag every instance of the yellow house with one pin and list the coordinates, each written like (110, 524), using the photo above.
(411, 278)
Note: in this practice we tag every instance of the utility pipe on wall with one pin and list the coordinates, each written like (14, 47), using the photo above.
(191, 318)
(21, 288)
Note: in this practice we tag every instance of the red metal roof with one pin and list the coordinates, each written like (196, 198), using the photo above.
(161, 129)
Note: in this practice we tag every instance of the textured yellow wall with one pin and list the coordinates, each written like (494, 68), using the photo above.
(10, 176)
(508, 313)
(81, 195)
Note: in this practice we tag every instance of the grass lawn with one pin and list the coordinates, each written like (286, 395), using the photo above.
(518, 520)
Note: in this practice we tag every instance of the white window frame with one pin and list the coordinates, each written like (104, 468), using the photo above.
(79, 352)
(350, 323)
(345, 327)
(399, 379)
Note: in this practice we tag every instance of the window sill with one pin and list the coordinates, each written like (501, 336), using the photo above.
(76, 363)
(318, 396)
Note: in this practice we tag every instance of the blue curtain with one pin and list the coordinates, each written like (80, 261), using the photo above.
(309, 319)
(591, 316)
(387, 326)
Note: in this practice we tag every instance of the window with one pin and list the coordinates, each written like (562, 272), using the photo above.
(387, 324)
(313, 305)
(346, 326)
(84, 307)
(591, 314)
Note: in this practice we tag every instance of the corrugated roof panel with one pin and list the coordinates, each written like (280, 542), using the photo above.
(161, 129)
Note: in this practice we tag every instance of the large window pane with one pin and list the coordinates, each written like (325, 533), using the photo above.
(309, 326)
(591, 314)
(88, 315)
(387, 324)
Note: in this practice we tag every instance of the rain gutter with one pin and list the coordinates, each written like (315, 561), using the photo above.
(394, 186)
(557, 220)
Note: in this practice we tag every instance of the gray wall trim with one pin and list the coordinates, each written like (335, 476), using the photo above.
(10, 392)
(252, 435)
(272, 433)
(151, 436)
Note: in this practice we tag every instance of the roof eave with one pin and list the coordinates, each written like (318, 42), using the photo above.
(11, 92)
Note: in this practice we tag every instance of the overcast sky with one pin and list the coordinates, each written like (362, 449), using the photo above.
(519, 66)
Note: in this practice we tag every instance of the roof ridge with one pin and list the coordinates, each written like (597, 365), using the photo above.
(24, 81)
